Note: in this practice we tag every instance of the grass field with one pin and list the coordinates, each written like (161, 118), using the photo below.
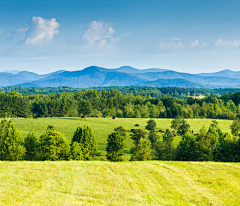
(126, 183)
(102, 127)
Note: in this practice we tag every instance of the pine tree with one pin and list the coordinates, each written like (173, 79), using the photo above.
(31, 146)
(11, 146)
(115, 146)
(86, 138)
(76, 151)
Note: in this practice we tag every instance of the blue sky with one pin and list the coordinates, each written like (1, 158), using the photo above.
(188, 36)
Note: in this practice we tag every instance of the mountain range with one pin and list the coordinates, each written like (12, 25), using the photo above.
(124, 76)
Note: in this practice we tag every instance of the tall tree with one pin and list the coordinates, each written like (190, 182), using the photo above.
(115, 146)
(11, 146)
(86, 138)
(31, 146)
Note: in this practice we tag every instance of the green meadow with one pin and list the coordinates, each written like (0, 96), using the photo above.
(123, 183)
(102, 127)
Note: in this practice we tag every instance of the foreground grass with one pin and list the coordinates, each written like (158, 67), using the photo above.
(126, 183)
(102, 127)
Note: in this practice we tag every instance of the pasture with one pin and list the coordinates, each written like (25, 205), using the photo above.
(123, 183)
(102, 127)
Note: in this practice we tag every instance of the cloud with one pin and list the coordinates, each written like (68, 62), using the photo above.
(171, 45)
(17, 35)
(100, 34)
(41, 30)
(196, 43)
(222, 42)
(1, 31)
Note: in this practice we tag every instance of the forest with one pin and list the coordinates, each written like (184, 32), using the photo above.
(120, 104)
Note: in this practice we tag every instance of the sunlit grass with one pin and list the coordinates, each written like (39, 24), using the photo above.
(102, 127)
(126, 183)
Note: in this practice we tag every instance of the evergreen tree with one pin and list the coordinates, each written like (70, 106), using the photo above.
(115, 146)
(31, 146)
(77, 135)
(86, 138)
(53, 146)
(11, 146)
(76, 151)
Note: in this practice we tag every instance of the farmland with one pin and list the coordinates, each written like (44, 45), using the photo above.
(102, 127)
(125, 183)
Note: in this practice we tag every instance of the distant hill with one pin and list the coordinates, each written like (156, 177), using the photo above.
(124, 76)
(127, 69)
(11, 71)
(223, 73)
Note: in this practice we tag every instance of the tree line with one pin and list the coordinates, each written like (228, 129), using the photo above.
(157, 92)
(210, 144)
(113, 103)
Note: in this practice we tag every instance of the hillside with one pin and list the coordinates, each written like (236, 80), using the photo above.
(126, 183)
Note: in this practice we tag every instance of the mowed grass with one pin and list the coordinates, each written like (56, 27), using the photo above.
(102, 127)
(125, 183)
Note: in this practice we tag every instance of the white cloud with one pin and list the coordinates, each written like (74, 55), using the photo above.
(222, 42)
(41, 30)
(1, 31)
(171, 45)
(195, 43)
(100, 34)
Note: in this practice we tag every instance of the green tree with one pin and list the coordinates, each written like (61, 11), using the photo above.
(151, 125)
(137, 135)
(142, 150)
(11, 146)
(184, 148)
(176, 122)
(163, 150)
(86, 138)
(115, 146)
(76, 151)
(31, 146)
(53, 146)
(183, 128)
(235, 127)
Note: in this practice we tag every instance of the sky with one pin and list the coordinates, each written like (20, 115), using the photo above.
(190, 36)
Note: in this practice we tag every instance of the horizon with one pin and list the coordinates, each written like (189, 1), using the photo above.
(183, 36)
(18, 71)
